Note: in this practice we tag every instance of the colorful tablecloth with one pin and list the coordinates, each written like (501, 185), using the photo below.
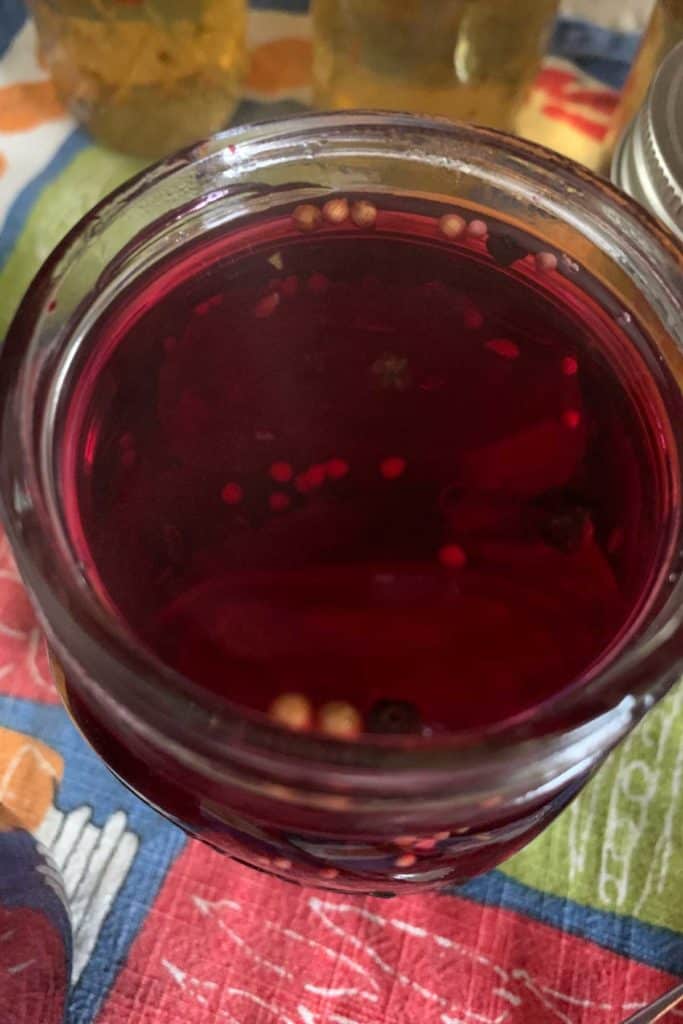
(582, 927)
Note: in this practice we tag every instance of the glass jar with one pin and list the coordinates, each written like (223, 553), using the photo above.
(471, 60)
(145, 77)
(663, 32)
(383, 814)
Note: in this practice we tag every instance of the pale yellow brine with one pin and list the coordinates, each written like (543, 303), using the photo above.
(664, 31)
(145, 76)
(465, 59)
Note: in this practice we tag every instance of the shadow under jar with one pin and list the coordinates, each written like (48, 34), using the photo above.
(380, 412)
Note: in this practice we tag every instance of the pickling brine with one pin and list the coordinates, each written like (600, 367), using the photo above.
(471, 60)
(145, 76)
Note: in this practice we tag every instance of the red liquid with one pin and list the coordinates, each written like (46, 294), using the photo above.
(389, 471)
(367, 465)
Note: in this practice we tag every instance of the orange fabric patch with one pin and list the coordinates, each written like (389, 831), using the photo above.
(3, 164)
(280, 64)
(29, 773)
(27, 104)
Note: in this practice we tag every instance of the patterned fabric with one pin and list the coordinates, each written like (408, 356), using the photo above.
(35, 937)
(585, 925)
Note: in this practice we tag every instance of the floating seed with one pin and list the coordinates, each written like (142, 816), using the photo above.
(425, 845)
(568, 531)
(545, 262)
(395, 717)
(281, 472)
(503, 347)
(405, 841)
(232, 494)
(316, 475)
(393, 467)
(336, 211)
(337, 469)
(406, 860)
(477, 229)
(452, 556)
(363, 214)
(452, 226)
(293, 710)
(307, 217)
(505, 250)
(339, 718)
(564, 523)
(266, 306)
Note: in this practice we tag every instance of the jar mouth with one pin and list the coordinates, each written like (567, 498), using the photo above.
(192, 185)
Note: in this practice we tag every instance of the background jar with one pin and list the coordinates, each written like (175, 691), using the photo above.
(146, 77)
(663, 33)
(471, 60)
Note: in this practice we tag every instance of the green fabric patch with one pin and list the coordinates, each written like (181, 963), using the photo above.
(92, 173)
(619, 845)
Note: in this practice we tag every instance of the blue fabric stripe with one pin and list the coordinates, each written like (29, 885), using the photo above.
(21, 207)
(12, 17)
(649, 944)
(600, 52)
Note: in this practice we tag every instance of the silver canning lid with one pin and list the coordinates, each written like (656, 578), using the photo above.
(648, 163)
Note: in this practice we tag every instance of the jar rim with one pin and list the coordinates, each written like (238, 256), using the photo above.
(137, 673)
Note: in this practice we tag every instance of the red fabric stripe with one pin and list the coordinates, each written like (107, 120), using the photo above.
(24, 670)
(583, 124)
(225, 944)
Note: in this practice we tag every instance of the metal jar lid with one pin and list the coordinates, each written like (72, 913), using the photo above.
(648, 163)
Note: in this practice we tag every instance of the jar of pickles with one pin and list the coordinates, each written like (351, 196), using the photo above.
(664, 31)
(145, 76)
(471, 60)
